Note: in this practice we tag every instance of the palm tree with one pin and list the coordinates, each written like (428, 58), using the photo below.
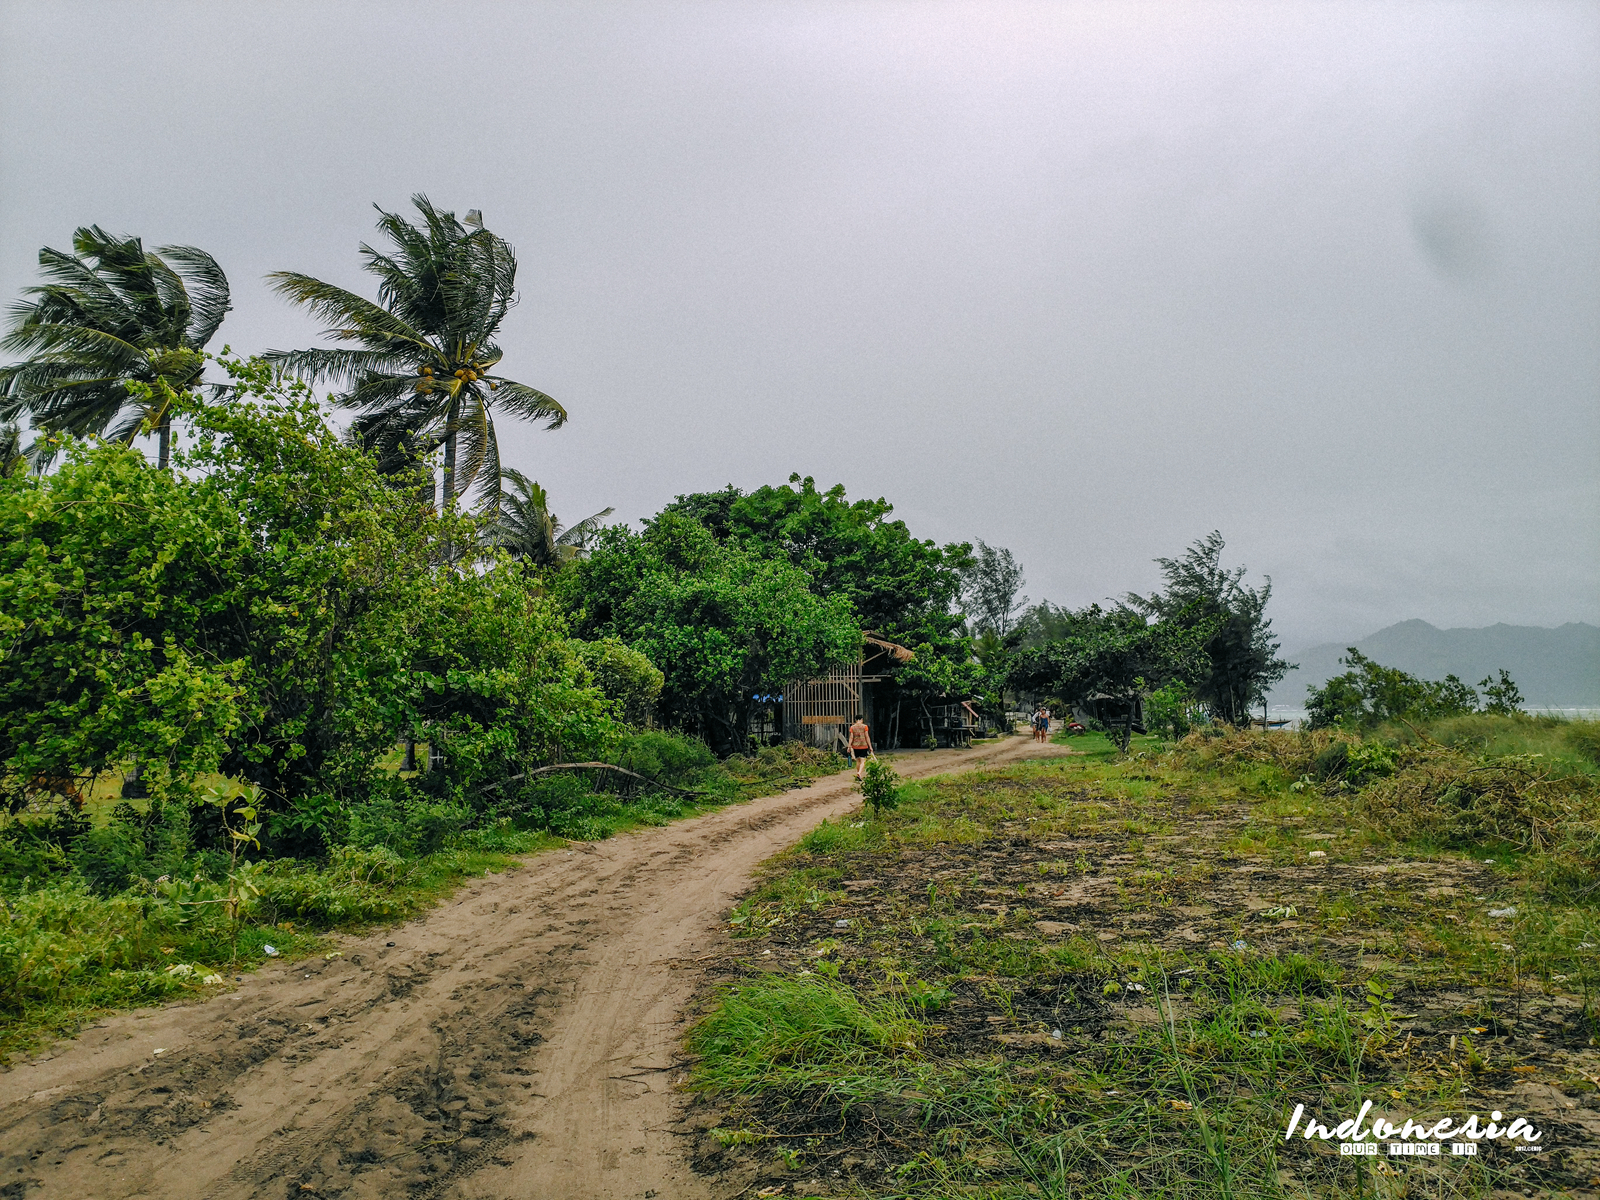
(420, 368)
(523, 525)
(12, 461)
(111, 313)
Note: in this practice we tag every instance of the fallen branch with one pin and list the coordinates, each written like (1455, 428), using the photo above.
(593, 766)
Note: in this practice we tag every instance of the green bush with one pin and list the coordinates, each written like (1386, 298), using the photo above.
(28, 862)
(1172, 711)
(109, 859)
(672, 758)
(627, 678)
(879, 786)
(278, 611)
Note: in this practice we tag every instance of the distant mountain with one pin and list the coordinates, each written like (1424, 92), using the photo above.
(1555, 668)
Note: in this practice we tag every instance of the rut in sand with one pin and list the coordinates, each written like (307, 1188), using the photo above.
(519, 1041)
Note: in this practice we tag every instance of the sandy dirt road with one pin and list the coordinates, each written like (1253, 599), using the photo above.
(518, 1041)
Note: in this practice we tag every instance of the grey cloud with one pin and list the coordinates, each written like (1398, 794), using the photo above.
(1083, 280)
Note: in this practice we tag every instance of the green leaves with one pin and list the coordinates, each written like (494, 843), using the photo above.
(721, 621)
(100, 569)
(111, 314)
(422, 356)
(880, 786)
(1369, 694)
(277, 611)
(900, 588)
(1118, 654)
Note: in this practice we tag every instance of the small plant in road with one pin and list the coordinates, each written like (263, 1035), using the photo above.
(880, 786)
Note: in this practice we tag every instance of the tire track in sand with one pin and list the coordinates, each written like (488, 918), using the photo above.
(517, 1041)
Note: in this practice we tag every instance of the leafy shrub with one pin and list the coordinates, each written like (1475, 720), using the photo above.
(673, 758)
(1172, 711)
(28, 863)
(1370, 694)
(109, 859)
(627, 678)
(59, 938)
(429, 822)
(1354, 763)
(879, 786)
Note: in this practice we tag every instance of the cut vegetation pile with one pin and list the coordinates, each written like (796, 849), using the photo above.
(1119, 976)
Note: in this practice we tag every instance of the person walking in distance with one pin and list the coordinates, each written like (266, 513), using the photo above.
(861, 745)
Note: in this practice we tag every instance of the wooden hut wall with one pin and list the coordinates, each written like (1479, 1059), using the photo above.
(818, 711)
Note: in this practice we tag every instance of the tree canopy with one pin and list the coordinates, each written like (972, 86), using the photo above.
(276, 610)
(1240, 645)
(1116, 653)
(111, 313)
(723, 621)
(421, 371)
(1369, 694)
(905, 589)
(990, 590)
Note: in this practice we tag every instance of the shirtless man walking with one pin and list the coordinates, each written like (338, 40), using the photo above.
(861, 745)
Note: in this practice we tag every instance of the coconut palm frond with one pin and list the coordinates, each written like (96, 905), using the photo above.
(579, 534)
(13, 461)
(350, 316)
(528, 402)
(108, 314)
(423, 351)
(210, 298)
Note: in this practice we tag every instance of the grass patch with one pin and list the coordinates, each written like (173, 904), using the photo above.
(1144, 963)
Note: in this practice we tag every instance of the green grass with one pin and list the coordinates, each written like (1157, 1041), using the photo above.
(1142, 970)
(68, 955)
(72, 948)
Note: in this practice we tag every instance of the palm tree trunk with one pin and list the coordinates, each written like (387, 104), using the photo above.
(164, 430)
(448, 502)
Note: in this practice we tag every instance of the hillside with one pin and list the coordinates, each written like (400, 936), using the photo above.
(1557, 668)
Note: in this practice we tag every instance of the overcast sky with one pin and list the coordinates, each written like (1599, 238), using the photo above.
(1084, 280)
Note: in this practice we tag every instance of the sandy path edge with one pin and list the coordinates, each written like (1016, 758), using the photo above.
(516, 1041)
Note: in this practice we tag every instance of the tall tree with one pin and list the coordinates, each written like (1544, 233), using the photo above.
(904, 589)
(1118, 654)
(901, 588)
(112, 313)
(420, 367)
(724, 621)
(1241, 647)
(523, 525)
(989, 589)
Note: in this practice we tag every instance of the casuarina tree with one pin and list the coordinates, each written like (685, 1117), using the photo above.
(990, 587)
(1240, 646)
(111, 313)
(420, 362)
